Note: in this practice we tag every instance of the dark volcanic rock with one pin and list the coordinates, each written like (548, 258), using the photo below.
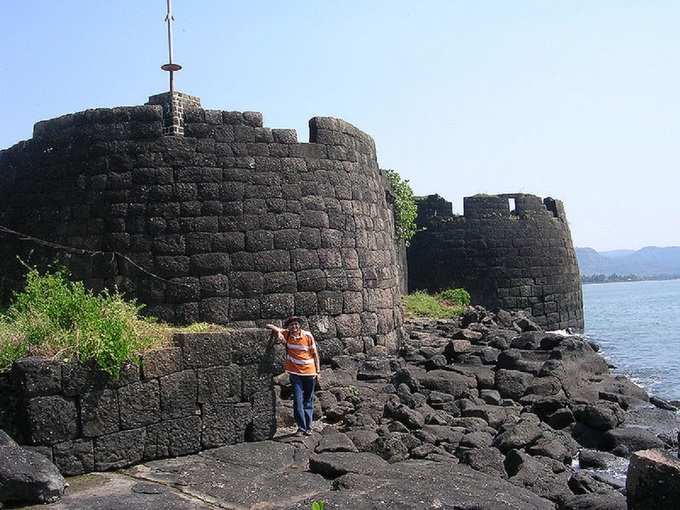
(512, 383)
(539, 478)
(601, 415)
(488, 460)
(653, 481)
(610, 501)
(335, 442)
(420, 484)
(27, 477)
(525, 432)
(631, 439)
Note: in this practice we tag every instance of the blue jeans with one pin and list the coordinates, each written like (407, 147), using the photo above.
(303, 400)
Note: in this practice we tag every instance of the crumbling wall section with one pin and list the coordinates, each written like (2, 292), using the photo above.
(205, 391)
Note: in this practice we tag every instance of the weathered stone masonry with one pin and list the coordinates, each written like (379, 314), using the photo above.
(248, 224)
(207, 390)
(516, 260)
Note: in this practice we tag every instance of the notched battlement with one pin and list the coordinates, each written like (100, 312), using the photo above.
(511, 205)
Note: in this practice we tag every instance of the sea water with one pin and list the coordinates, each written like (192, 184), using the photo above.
(637, 325)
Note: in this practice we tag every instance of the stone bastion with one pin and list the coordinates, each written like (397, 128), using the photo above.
(206, 215)
(519, 258)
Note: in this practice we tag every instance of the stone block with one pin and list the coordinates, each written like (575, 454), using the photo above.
(305, 259)
(318, 219)
(51, 420)
(330, 258)
(256, 378)
(219, 385)
(287, 239)
(161, 362)
(74, 457)
(246, 283)
(173, 438)
(252, 346)
(271, 260)
(183, 289)
(179, 393)
(118, 450)
(330, 302)
(263, 405)
(214, 310)
(200, 350)
(216, 285)
(225, 424)
(36, 376)
(259, 240)
(99, 412)
(78, 378)
(284, 281)
(352, 302)
(310, 237)
(210, 263)
(244, 309)
(348, 325)
(139, 404)
(306, 303)
(228, 242)
(277, 305)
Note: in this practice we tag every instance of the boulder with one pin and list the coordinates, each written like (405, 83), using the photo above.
(601, 415)
(539, 478)
(519, 435)
(596, 459)
(374, 369)
(332, 465)
(526, 324)
(26, 476)
(335, 442)
(488, 460)
(456, 347)
(529, 340)
(447, 382)
(630, 439)
(512, 383)
(653, 480)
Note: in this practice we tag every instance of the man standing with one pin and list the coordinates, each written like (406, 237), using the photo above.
(303, 367)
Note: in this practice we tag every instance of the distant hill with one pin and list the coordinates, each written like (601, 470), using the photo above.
(648, 261)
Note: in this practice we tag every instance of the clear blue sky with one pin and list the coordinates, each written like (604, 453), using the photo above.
(574, 99)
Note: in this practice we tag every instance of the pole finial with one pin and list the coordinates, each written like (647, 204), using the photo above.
(171, 67)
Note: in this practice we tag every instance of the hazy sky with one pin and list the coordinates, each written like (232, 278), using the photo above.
(578, 100)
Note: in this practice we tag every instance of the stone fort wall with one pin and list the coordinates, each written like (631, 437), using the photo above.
(232, 222)
(204, 391)
(520, 259)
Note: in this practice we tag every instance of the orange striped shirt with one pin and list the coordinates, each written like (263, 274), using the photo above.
(300, 353)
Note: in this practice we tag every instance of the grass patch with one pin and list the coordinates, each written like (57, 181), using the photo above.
(55, 317)
(447, 304)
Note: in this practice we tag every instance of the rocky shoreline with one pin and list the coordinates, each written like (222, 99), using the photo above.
(494, 393)
(486, 411)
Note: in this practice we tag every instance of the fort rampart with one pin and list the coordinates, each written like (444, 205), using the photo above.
(205, 391)
(514, 258)
(231, 223)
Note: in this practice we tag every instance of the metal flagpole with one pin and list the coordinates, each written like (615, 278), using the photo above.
(171, 67)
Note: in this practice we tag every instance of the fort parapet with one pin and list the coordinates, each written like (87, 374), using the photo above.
(510, 251)
(232, 222)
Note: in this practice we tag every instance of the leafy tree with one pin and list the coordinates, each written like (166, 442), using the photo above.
(405, 209)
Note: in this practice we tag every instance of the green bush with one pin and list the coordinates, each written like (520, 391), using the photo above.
(422, 304)
(405, 209)
(53, 316)
(455, 296)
